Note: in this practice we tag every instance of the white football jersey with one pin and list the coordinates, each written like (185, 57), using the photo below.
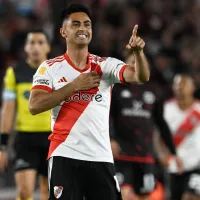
(185, 127)
(80, 124)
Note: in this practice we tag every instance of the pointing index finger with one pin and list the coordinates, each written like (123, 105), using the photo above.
(135, 30)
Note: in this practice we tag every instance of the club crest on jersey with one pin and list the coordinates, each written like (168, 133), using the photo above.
(58, 191)
(149, 97)
(42, 70)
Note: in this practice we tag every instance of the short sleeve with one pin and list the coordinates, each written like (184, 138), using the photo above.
(114, 68)
(9, 91)
(42, 78)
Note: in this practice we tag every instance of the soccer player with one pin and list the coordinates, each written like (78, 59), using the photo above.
(183, 117)
(135, 110)
(77, 87)
(31, 142)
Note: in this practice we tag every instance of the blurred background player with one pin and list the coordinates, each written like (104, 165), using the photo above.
(31, 142)
(134, 111)
(183, 117)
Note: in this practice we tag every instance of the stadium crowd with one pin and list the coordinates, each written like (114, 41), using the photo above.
(170, 29)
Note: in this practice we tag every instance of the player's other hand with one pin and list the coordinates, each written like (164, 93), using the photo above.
(86, 81)
(136, 44)
(179, 164)
(3, 160)
(115, 148)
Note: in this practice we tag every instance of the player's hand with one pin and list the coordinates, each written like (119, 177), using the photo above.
(179, 164)
(86, 81)
(3, 160)
(166, 160)
(115, 148)
(136, 44)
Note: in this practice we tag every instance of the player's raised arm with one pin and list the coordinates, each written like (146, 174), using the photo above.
(139, 73)
(43, 98)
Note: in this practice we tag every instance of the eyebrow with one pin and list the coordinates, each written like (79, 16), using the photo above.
(76, 21)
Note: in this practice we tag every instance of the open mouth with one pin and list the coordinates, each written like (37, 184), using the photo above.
(82, 36)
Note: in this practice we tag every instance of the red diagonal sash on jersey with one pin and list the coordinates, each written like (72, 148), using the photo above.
(70, 113)
(187, 126)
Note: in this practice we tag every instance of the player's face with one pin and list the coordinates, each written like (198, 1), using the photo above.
(77, 29)
(37, 47)
(183, 86)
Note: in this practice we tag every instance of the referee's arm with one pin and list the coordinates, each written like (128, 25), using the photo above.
(7, 115)
(9, 102)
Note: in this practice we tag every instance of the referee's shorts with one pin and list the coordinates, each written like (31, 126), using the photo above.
(31, 149)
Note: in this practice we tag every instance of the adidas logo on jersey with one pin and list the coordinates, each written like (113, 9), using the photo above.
(63, 79)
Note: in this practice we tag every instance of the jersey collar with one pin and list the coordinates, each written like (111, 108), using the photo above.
(76, 68)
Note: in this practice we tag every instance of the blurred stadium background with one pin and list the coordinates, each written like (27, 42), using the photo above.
(170, 28)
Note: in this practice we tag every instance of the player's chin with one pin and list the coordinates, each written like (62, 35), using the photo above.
(83, 42)
(179, 95)
(36, 58)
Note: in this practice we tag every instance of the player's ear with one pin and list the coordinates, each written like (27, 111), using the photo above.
(63, 33)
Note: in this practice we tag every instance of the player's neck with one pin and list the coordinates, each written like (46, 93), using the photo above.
(185, 103)
(78, 56)
(34, 64)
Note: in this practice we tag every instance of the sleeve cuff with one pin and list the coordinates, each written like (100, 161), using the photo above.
(121, 78)
(9, 95)
(42, 87)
